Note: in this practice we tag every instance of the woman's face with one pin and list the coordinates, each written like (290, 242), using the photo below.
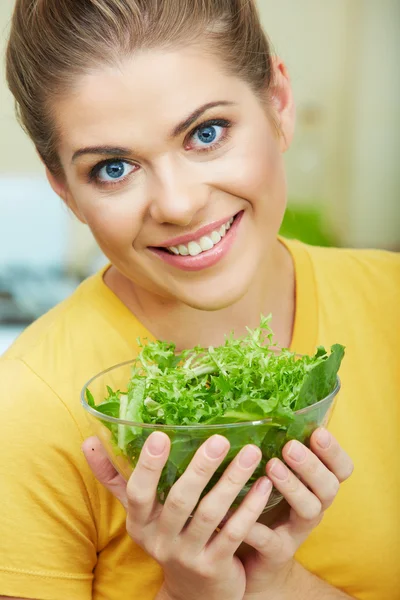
(160, 154)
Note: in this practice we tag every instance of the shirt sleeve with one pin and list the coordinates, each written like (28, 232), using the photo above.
(48, 535)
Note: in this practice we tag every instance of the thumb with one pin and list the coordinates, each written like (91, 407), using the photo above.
(103, 469)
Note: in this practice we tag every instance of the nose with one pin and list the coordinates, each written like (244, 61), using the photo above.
(175, 194)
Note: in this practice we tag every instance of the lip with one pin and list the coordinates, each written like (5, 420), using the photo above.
(195, 235)
(205, 259)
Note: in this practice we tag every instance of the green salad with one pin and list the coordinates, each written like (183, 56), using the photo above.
(244, 381)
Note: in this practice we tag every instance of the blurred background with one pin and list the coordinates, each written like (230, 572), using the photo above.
(343, 167)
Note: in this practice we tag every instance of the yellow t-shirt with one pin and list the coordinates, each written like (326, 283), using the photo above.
(62, 535)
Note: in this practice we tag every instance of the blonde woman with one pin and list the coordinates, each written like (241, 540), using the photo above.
(162, 125)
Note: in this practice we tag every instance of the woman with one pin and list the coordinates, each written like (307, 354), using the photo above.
(162, 125)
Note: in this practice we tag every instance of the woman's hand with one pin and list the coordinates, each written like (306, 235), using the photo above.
(320, 472)
(197, 562)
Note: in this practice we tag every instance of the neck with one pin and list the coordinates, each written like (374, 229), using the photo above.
(272, 292)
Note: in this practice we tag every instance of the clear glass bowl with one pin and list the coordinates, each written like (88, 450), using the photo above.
(268, 434)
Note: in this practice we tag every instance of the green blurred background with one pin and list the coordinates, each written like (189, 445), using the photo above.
(306, 223)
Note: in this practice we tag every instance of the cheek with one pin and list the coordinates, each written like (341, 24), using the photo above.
(263, 176)
(113, 221)
(255, 172)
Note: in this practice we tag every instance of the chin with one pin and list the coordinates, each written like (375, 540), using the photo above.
(217, 298)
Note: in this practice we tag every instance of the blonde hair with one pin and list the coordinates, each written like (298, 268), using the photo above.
(52, 42)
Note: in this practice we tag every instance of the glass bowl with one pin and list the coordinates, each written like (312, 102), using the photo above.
(269, 434)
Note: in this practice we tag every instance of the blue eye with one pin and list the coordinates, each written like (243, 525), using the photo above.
(113, 171)
(208, 134)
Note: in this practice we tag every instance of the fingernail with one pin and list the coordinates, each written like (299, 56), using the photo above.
(296, 451)
(249, 456)
(215, 446)
(156, 443)
(264, 486)
(279, 470)
(323, 438)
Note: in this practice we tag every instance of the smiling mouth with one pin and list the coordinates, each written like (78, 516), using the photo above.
(201, 245)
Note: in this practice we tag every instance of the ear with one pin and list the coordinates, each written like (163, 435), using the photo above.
(61, 189)
(281, 97)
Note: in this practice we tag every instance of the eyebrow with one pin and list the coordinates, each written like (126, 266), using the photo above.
(103, 150)
(178, 130)
(186, 123)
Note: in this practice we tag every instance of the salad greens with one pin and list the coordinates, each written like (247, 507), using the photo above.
(244, 380)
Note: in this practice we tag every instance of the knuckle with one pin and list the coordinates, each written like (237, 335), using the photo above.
(207, 514)
(312, 466)
(149, 465)
(348, 470)
(342, 465)
(292, 485)
(264, 543)
(176, 502)
(332, 490)
(233, 478)
(311, 511)
(251, 509)
(234, 534)
(200, 469)
(137, 499)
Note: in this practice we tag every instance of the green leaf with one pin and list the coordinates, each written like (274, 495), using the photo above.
(110, 408)
(321, 379)
(136, 395)
(89, 398)
(123, 431)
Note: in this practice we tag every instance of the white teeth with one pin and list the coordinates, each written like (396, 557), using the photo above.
(215, 237)
(183, 250)
(203, 244)
(194, 248)
(206, 243)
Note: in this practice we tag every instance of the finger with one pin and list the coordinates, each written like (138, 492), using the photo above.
(298, 496)
(313, 473)
(142, 485)
(269, 544)
(329, 451)
(103, 469)
(185, 493)
(235, 530)
(279, 543)
(214, 506)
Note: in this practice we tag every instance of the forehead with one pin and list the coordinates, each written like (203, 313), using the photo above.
(149, 91)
